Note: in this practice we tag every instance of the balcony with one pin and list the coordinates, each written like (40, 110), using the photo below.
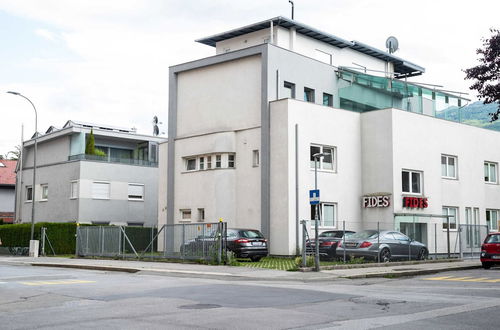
(114, 160)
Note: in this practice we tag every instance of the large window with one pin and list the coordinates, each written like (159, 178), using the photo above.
(490, 172)
(45, 192)
(411, 182)
(327, 214)
(492, 220)
(327, 99)
(289, 90)
(308, 94)
(327, 162)
(449, 167)
(29, 193)
(136, 191)
(452, 212)
(100, 190)
(73, 190)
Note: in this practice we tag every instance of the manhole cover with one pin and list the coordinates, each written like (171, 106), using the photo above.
(200, 306)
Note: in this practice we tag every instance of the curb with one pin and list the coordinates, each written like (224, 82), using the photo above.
(395, 273)
(88, 267)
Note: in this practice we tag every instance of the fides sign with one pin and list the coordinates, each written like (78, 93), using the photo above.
(376, 201)
(415, 202)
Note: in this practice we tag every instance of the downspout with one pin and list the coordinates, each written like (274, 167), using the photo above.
(297, 245)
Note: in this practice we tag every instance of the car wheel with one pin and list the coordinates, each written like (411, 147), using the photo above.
(255, 258)
(486, 265)
(422, 254)
(385, 255)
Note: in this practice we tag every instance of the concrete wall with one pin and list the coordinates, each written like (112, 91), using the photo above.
(48, 152)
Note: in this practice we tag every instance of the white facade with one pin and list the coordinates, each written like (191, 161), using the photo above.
(246, 107)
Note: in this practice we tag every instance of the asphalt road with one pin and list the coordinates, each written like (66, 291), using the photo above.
(58, 298)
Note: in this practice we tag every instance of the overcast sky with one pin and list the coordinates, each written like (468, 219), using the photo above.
(106, 61)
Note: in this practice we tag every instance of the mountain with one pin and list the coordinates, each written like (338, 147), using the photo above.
(475, 114)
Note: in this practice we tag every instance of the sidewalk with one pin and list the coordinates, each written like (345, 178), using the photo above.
(220, 272)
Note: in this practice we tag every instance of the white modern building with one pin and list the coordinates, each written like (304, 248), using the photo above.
(244, 124)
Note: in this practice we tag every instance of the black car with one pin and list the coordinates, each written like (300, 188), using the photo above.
(247, 243)
(328, 241)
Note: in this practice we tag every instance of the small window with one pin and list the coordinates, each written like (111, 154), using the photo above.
(73, 190)
(308, 94)
(202, 163)
(449, 167)
(209, 162)
(186, 215)
(191, 164)
(45, 192)
(218, 161)
(327, 162)
(411, 182)
(492, 220)
(490, 172)
(231, 160)
(201, 215)
(452, 212)
(100, 190)
(256, 160)
(327, 100)
(136, 191)
(327, 214)
(29, 194)
(289, 90)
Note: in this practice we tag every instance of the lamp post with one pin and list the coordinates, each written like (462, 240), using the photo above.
(34, 165)
(316, 156)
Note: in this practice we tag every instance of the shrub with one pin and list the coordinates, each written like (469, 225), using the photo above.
(309, 261)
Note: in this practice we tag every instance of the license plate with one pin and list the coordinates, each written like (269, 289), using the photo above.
(257, 243)
(495, 257)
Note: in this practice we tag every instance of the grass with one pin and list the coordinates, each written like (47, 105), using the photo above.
(279, 263)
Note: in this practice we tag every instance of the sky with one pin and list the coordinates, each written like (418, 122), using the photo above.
(106, 61)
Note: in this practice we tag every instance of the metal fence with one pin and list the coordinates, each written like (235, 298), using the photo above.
(179, 241)
(471, 238)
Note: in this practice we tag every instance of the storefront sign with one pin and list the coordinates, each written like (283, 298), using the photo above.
(415, 202)
(376, 201)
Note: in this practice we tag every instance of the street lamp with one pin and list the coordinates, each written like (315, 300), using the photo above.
(316, 156)
(34, 166)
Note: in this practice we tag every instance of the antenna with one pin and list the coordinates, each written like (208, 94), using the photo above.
(292, 7)
(392, 44)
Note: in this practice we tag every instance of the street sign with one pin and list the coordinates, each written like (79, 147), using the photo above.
(314, 197)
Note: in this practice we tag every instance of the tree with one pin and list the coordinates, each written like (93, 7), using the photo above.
(486, 75)
(90, 147)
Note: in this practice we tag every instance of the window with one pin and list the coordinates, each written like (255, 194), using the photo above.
(490, 172)
(452, 212)
(201, 215)
(449, 166)
(186, 215)
(218, 162)
(191, 164)
(231, 161)
(412, 182)
(73, 190)
(308, 94)
(327, 100)
(45, 192)
(209, 162)
(136, 191)
(327, 161)
(202, 163)
(327, 214)
(100, 190)
(255, 156)
(289, 90)
(492, 220)
(29, 194)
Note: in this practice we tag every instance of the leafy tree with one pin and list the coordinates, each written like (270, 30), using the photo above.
(14, 154)
(90, 146)
(486, 75)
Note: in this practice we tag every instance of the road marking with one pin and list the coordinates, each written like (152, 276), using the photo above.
(463, 279)
(32, 283)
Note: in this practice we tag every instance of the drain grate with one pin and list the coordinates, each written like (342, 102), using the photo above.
(199, 306)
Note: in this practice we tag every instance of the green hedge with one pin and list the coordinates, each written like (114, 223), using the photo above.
(61, 235)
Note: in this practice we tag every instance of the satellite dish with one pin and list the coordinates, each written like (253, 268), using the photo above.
(155, 120)
(156, 130)
(392, 44)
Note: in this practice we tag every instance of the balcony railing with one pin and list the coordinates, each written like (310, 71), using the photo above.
(107, 159)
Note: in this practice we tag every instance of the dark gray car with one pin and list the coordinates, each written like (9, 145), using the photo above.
(390, 245)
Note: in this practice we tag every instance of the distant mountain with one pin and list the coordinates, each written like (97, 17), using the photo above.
(475, 114)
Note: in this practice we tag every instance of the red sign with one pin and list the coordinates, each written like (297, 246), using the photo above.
(415, 202)
(376, 201)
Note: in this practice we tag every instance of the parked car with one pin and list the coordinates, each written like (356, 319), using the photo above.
(490, 250)
(391, 245)
(328, 241)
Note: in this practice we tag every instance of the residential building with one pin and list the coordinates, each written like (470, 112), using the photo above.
(244, 126)
(7, 190)
(118, 188)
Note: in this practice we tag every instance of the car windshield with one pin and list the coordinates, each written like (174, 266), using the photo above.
(493, 239)
(251, 234)
(336, 234)
(363, 234)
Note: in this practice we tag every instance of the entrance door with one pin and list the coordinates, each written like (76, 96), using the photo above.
(415, 231)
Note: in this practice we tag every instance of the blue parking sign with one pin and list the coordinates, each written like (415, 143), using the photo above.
(314, 197)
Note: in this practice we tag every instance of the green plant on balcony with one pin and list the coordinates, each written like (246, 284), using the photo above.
(90, 148)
